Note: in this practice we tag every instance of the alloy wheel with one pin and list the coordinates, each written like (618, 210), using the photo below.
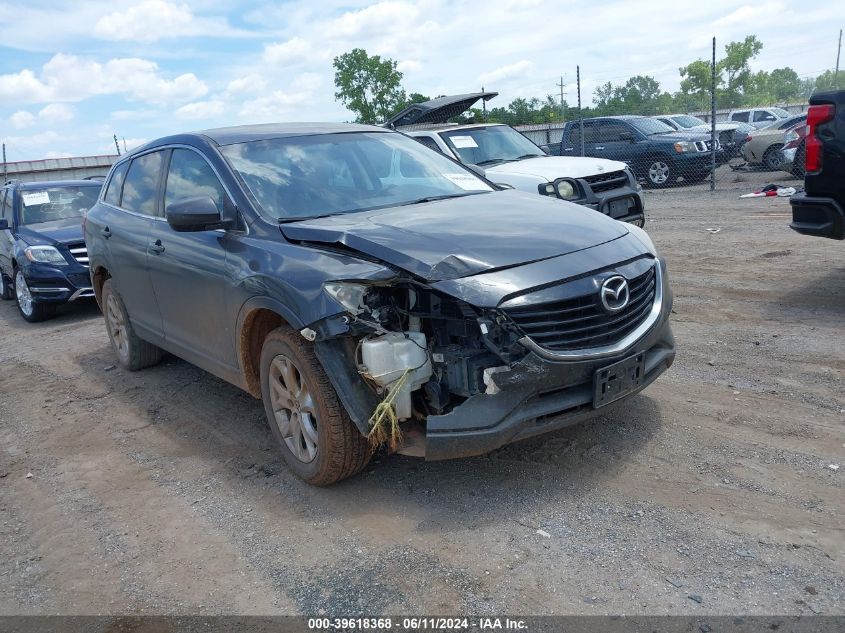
(658, 172)
(23, 294)
(294, 409)
(117, 326)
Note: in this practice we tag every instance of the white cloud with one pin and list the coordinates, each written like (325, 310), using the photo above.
(289, 52)
(55, 113)
(200, 110)
(152, 20)
(251, 84)
(408, 65)
(22, 119)
(517, 69)
(70, 78)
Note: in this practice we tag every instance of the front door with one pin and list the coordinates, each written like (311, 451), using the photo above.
(188, 270)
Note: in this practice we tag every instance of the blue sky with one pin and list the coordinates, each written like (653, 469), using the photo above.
(74, 74)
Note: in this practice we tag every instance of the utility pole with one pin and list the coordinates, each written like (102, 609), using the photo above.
(117, 145)
(713, 119)
(580, 118)
(838, 51)
(5, 179)
(562, 109)
(483, 105)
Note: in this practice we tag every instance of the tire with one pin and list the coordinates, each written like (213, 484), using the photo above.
(659, 171)
(133, 353)
(319, 442)
(799, 163)
(30, 309)
(7, 288)
(773, 158)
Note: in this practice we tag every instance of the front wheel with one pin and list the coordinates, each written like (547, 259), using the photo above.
(659, 172)
(133, 353)
(773, 158)
(29, 308)
(319, 442)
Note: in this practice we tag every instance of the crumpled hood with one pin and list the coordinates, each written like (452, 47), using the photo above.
(550, 168)
(458, 237)
(66, 231)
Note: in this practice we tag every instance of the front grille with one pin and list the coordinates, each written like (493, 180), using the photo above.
(79, 252)
(606, 182)
(581, 322)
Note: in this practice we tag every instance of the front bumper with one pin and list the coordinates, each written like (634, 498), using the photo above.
(625, 205)
(536, 396)
(816, 216)
(58, 284)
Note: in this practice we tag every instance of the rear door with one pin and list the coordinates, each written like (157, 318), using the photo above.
(188, 270)
(615, 140)
(131, 204)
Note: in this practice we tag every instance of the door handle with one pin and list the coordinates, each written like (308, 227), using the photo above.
(156, 247)
(106, 232)
(599, 146)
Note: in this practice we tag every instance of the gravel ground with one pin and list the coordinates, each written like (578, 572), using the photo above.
(710, 493)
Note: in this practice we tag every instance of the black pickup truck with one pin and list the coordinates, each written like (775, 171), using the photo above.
(820, 209)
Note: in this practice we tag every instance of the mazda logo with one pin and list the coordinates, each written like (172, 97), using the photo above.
(614, 293)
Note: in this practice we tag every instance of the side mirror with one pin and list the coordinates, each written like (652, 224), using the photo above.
(194, 214)
(4, 224)
(627, 136)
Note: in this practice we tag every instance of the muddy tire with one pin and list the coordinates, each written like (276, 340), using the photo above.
(319, 442)
(133, 353)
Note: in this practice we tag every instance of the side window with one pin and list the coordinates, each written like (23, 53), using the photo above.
(428, 142)
(763, 115)
(7, 205)
(612, 132)
(574, 135)
(115, 184)
(140, 187)
(189, 176)
(740, 116)
(3, 205)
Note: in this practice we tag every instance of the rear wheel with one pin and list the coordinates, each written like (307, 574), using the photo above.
(773, 157)
(30, 309)
(318, 440)
(133, 353)
(799, 163)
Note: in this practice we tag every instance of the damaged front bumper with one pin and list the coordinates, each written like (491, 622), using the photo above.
(536, 396)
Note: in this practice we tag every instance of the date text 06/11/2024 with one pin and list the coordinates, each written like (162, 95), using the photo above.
(417, 624)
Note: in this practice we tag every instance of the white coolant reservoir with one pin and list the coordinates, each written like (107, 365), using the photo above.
(388, 356)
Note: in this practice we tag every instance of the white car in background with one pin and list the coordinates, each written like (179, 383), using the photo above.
(509, 158)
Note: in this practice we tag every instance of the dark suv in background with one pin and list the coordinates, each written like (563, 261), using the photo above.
(655, 152)
(820, 209)
(43, 259)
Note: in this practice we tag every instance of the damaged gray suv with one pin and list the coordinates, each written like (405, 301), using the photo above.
(370, 290)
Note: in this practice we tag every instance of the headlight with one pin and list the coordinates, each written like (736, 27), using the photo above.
(349, 295)
(45, 255)
(684, 146)
(567, 189)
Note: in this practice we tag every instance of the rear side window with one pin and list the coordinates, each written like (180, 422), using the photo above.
(740, 116)
(612, 131)
(3, 215)
(7, 205)
(190, 176)
(115, 184)
(140, 187)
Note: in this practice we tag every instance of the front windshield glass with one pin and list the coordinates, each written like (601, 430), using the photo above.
(490, 145)
(650, 126)
(780, 113)
(688, 121)
(56, 203)
(329, 174)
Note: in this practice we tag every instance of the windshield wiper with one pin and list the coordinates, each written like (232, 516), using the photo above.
(524, 156)
(305, 217)
(435, 198)
(491, 161)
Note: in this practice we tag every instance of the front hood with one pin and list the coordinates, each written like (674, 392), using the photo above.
(551, 167)
(459, 237)
(53, 233)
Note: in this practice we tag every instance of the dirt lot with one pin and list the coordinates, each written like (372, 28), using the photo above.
(711, 493)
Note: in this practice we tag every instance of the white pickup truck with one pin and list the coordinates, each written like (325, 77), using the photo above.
(509, 158)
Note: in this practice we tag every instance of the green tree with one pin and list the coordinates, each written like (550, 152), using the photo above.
(829, 81)
(368, 85)
(736, 68)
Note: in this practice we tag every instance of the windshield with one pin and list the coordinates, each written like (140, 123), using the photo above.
(329, 174)
(490, 145)
(650, 126)
(57, 203)
(779, 112)
(688, 121)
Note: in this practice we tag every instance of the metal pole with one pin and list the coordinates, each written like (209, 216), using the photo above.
(713, 119)
(562, 109)
(5, 179)
(117, 145)
(483, 105)
(580, 118)
(838, 51)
